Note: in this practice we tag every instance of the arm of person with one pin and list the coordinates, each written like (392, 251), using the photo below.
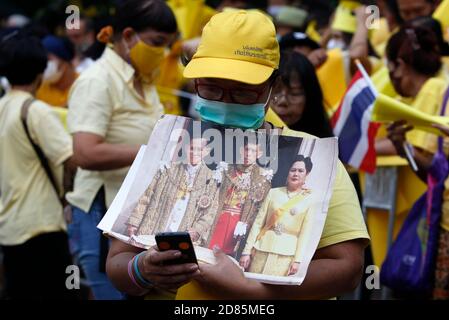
(91, 108)
(358, 49)
(334, 270)
(150, 266)
(444, 130)
(384, 147)
(93, 153)
(68, 178)
(397, 135)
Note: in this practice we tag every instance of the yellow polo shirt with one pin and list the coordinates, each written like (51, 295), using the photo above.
(344, 222)
(52, 95)
(28, 203)
(428, 100)
(103, 101)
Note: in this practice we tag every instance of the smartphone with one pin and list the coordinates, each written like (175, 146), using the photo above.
(177, 241)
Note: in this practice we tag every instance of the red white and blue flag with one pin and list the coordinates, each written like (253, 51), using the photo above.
(352, 124)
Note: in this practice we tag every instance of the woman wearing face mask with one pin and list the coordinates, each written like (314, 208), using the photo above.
(60, 74)
(297, 96)
(234, 87)
(414, 63)
(113, 108)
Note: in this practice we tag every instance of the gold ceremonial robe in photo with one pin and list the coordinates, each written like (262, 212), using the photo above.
(168, 189)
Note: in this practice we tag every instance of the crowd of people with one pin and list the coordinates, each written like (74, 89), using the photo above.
(76, 104)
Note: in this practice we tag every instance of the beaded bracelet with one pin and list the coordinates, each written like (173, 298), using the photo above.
(131, 276)
(142, 280)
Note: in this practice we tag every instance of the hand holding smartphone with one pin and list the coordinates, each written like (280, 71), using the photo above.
(177, 241)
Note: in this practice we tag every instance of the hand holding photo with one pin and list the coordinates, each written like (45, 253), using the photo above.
(260, 197)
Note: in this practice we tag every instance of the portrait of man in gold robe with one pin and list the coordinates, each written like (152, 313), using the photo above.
(278, 237)
(181, 197)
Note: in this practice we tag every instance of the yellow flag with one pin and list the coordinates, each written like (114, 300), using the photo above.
(382, 82)
(331, 76)
(312, 32)
(442, 14)
(387, 109)
(344, 19)
(191, 16)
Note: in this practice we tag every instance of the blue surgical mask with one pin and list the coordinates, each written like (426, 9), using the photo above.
(234, 115)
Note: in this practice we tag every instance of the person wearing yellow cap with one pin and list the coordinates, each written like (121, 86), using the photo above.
(234, 70)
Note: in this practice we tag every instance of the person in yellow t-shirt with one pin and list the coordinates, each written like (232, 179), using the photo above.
(414, 64)
(429, 98)
(60, 73)
(33, 235)
(227, 81)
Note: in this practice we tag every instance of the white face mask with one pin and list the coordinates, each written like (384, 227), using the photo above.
(51, 73)
(336, 44)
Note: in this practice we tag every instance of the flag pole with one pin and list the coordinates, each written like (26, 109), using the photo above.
(366, 77)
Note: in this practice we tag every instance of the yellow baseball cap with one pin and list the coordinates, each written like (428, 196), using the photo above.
(236, 45)
(344, 19)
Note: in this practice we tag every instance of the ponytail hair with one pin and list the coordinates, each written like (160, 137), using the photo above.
(418, 47)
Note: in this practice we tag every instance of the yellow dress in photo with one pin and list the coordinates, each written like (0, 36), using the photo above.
(280, 232)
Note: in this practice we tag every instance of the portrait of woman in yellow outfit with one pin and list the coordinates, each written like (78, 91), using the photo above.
(277, 239)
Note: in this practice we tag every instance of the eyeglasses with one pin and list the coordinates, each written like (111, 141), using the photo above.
(216, 93)
(292, 98)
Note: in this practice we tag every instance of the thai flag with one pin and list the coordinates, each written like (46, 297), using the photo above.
(352, 124)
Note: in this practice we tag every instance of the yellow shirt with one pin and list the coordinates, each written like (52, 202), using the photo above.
(52, 95)
(429, 100)
(103, 101)
(28, 203)
(344, 221)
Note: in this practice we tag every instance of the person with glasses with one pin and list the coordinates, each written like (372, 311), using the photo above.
(297, 97)
(237, 60)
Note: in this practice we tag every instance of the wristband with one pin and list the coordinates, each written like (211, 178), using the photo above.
(139, 276)
(131, 276)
